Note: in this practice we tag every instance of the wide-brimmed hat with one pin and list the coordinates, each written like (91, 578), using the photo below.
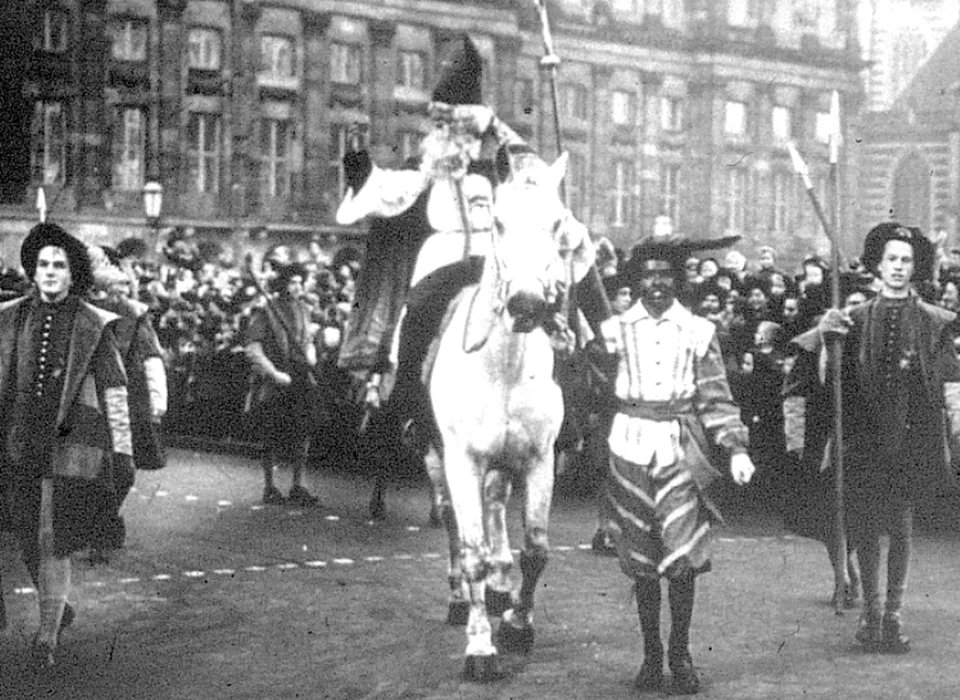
(881, 234)
(47, 234)
(675, 249)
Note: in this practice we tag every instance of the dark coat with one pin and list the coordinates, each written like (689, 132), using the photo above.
(91, 443)
(928, 451)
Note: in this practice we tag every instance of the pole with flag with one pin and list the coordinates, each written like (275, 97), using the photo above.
(834, 348)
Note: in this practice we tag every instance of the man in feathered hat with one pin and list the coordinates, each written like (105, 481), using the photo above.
(897, 354)
(430, 228)
(65, 420)
(282, 354)
(672, 397)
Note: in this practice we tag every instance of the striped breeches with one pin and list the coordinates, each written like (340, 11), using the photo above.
(658, 522)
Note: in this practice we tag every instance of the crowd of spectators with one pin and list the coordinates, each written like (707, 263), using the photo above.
(201, 298)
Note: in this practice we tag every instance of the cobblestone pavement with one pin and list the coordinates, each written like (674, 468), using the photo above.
(216, 596)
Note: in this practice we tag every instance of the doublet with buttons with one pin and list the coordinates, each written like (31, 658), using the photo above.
(901, 384)
(45, 343)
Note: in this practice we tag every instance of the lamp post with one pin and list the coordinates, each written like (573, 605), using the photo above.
(152, 202)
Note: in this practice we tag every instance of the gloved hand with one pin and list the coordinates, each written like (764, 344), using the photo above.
(741, 468)
(357, 167)
(834, 324)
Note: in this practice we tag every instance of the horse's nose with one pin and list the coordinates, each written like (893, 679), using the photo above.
(527, 307)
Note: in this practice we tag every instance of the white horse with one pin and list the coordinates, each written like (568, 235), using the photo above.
(498, 411)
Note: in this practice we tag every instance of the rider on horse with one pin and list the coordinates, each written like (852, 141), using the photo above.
(429, 232)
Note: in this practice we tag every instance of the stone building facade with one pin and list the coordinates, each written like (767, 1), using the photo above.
(910, 154)
(242, 109)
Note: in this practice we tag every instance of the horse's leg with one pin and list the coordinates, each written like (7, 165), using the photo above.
(499, 588)
(516, 631)
(464, 484)
(458, 609)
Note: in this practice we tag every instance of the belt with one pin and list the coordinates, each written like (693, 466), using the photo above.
(657, 410)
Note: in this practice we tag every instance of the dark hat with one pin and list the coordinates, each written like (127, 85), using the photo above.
(461, 83)
(881, 234)
(761, 282)
(46, 234)
(284, 274)
(675, 249)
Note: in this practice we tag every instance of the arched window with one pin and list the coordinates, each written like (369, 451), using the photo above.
(911, 192)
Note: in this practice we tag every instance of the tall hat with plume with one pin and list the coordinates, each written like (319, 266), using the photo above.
(462, 81)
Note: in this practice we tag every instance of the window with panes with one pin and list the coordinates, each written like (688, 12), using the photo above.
(275, 135)
(204, 48)
(670, 191)
(622, 107)
(48, 153)
(671, 114)
(346, 63)
(736, 199)
(573, 99)
(411, 70)
(129, 39)
(782, 124)
(823, 127)
(278, 57)
(621, 193)
(129, 147)
(783, 198)
(203, 151)
(342, 139)
(735, 118)
(51, 32)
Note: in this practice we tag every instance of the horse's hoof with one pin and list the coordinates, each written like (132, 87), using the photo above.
(498, 602)
(482, 669)
(458, 613)
(518, 640)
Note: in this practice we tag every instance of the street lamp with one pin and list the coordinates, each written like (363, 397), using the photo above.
(152, 201)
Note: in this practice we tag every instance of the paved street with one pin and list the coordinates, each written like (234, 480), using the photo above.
(218, 597)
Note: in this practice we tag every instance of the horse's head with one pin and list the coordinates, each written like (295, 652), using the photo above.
(530, 239)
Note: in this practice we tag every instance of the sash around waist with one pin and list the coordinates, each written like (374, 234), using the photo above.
(657, 410)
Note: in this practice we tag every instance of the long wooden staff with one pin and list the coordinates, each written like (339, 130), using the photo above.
(834, 347)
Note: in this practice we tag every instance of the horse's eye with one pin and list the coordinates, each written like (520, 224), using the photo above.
(499, 226)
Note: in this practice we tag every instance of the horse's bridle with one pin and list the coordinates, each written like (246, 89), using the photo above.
(561, 288)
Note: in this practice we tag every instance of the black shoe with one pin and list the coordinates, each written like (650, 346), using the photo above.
(869, 633)
(272, 496)
(685, 679)
(651, 674)
(894, 641)
(299, 496)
